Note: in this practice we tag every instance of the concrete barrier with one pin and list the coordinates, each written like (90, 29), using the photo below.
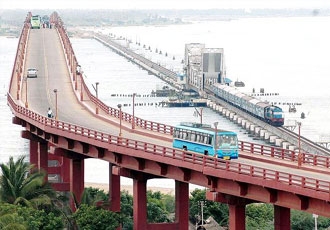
(272, 139)
(278, 142)
(252, 128)
(266, 136)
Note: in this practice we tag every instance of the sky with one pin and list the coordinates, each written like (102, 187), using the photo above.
(160, 4)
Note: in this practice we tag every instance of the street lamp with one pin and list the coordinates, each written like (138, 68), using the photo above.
(215, 138)
(97, 97)
(119, 107)
(26, 94)
(81, 86)
(133, 117)
(55, 91)
(199, 113)
(299, 150)
(315, 216)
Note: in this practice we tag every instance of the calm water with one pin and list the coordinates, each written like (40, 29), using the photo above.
(284, 55)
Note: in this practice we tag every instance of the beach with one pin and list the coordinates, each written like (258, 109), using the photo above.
(129, 188)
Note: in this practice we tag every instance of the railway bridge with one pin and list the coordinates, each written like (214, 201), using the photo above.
(84, 127)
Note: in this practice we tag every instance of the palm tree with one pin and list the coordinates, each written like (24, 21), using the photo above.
(21, 184)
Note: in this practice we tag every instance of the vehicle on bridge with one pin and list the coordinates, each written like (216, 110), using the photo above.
(255, 107)
(201, 138)
(35, 22)
(31, 72)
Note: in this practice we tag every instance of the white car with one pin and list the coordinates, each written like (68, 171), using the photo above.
(32, 72)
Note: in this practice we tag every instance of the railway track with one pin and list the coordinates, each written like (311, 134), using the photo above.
(306, 145)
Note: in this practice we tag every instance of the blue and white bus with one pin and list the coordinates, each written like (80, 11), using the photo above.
(200, 138)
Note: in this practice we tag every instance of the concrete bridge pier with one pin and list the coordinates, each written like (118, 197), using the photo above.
(140, 207)
(278, 142)
(235, 117)
(114, 189)
(281, 218)
(257, 130)
(252, 129)
(272, 139)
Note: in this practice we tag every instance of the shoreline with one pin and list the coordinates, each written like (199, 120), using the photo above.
(129, 188)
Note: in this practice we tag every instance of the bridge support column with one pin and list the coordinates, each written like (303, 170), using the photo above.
(281, 218)
(140, 204)
(77, 179)
(182, 205)
(236, 217)
(43, 156)
(114, 191)
(34, 154)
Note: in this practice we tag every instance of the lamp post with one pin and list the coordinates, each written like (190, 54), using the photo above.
(299, 150)
(315, 216)
(97, 97)
(215, 138)
(55, 91)
(199, 113)
(133, 117)
(119, 107)
(26, 94)
(81, 86)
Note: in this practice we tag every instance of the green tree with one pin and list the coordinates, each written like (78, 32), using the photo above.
(259, 216)
(94, 218)
(18, 217)
(94, 196)
(156, 208)
(303, 220)
(21, 184)
(217, 210)
(126, 210)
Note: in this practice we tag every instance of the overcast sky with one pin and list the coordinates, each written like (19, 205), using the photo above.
(160, 4)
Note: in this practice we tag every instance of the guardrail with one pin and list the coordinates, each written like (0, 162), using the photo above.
(285, 154)
(73, 63)
(204, 162)
(150, 150)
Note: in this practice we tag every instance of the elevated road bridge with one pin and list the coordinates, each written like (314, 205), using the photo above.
(84, 127)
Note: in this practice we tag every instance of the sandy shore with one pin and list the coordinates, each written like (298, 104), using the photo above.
(129, 188)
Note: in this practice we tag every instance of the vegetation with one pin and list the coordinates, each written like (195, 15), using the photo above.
(27, 201)
(21, 184)
(217, 210)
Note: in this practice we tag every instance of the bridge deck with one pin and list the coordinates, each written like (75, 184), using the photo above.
(53, 74)
(45, 52)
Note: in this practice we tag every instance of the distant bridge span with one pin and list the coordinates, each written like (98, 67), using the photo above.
(87, 128)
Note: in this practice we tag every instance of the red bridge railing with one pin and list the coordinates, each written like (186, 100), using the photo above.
(149, 150)
(200, 162)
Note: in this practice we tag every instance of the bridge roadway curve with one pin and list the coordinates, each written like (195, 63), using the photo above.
(44, 51)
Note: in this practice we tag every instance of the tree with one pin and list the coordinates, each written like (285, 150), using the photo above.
(18, 217)
(21, 184)
(218, 211)
(259, 216)
(94, 196)
(126, 210)
(94, 218)
(156, 208)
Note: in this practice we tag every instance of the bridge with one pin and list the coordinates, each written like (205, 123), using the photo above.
(84, 127)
